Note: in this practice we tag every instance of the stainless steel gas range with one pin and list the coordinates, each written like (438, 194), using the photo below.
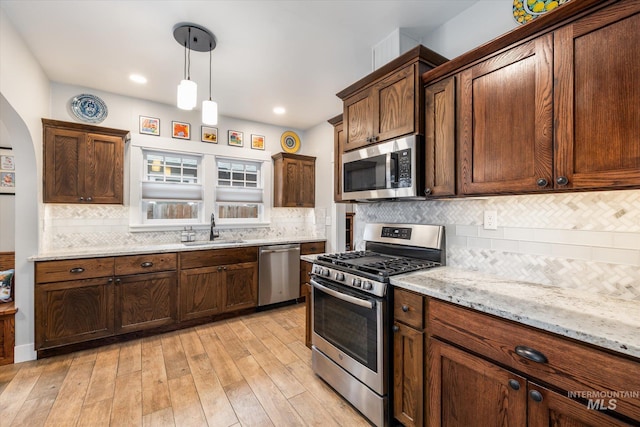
(352, 304)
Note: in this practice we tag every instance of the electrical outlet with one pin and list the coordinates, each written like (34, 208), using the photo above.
(490, 220)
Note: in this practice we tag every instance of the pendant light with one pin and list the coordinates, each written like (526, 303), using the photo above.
(210, 108)
(192, 37)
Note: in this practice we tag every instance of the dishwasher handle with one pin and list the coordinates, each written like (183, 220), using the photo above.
(279, 248)
(272, 251)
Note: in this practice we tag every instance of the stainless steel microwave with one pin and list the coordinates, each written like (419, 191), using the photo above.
(389, 170)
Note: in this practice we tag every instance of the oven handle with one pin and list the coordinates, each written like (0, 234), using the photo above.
(343, 297)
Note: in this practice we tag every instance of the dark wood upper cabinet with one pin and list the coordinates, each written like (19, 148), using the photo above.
(596, 104)
(440, 138)
(339, 141)
(294, 181)
(506, 121)
(82, 163)
(388, 103)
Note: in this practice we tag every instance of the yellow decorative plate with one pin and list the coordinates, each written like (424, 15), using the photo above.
(290, 142)
(526, 10)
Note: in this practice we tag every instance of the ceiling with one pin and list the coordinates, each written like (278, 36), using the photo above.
(294, 54)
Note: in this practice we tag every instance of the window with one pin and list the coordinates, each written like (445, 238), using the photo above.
(239, 191)
(171, 188)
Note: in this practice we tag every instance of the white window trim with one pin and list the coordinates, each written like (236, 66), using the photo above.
(209, 152)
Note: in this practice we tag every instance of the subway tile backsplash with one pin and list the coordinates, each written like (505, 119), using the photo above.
(587, 240)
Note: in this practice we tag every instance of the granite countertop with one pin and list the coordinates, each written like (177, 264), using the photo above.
(163, 248)
(603, 321)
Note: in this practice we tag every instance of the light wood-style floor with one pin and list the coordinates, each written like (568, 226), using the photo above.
(252, 370)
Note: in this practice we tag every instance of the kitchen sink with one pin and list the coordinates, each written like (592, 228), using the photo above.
(213, 242)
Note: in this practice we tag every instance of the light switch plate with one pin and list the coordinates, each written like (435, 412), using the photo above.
(490, 220)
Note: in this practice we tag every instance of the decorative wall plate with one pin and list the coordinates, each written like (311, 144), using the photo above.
(290, 142)
(526, 10)
(89, 108)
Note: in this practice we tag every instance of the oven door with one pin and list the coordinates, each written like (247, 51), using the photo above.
(348, 328)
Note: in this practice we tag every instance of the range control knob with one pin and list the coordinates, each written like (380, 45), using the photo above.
(339, 277)
(368, 286)
(326, 272)
(316, 269)
(356, 282)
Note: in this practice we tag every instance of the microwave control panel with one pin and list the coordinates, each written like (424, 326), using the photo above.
(404, 168)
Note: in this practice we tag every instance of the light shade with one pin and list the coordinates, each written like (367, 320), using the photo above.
(187, 94)
(210, 112)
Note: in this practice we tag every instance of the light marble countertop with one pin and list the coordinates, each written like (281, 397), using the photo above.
(606, 322)
(163, 248)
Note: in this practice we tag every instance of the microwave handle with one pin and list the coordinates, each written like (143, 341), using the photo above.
(392, 170)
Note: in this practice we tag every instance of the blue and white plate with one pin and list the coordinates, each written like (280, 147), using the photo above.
(89, 108)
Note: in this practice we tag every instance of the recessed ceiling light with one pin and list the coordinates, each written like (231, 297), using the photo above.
(279, 110)
(138, 78)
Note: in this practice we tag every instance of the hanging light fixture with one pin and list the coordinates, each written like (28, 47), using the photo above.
(210, 108)
(192, 37)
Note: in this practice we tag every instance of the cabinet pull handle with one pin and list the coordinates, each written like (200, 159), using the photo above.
(531, 354)
(541, 182)
(77, 270)
(395, 328)
(514, 384)
(536, 395)
(562, 180)
(405, 308)
(146, 264)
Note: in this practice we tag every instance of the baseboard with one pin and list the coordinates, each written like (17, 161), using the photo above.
(24, 353)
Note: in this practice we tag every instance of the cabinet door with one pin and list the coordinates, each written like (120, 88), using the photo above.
(307, 183)
(549, 409)
(74, 311)
(200, 292)
(338, 144)
(63, 169)
(464, 389)
(394, 105)
(408, 379)
(597, 111)
(104, 168)
(505, 121)
(291, 175)
(145, 301)
(240, 286)
(440, 138)
(358, 120)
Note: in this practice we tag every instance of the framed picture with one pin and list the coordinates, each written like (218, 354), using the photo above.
(235, 138)
(7, 171)
(209, 134)
(180, 130)
(257, 142)
(149, 125)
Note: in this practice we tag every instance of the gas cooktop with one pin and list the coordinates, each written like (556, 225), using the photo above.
(370, 262)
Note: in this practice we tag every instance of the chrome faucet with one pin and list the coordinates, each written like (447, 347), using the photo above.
(213, 233)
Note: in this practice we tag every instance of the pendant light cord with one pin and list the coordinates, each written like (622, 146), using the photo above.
(210, 49)
(189, 57)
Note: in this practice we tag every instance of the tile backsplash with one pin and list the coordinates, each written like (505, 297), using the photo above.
(588, 241)
(95, 226)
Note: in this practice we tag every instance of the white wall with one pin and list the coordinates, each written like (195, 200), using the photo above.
(24, 100)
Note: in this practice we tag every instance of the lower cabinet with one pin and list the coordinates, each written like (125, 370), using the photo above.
(200, 292)
(308, 248)
(454, 366)
(145, 301)
(73, 311)
(239, 286)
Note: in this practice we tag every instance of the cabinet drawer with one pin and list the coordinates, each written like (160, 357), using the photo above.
(312, 248)
(148, 263)
(408, 308)
(569, 365)
(208, 258)
(73, 269)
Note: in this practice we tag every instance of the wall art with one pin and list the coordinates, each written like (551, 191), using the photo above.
(149, 126)
(180, 130)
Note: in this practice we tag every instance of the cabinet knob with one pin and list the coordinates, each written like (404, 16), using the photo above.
(219, 268)
(395, 328)
(89, 199)
(536, 395)
(146, 264)
(81, 199)
(541, 182)
(118, 281)
(514, 384)
(531, 354)
(562, 180)
(405, 308)
(77, 270)
(427, 191)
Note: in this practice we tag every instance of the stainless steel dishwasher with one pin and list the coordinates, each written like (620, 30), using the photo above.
(279, 273)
